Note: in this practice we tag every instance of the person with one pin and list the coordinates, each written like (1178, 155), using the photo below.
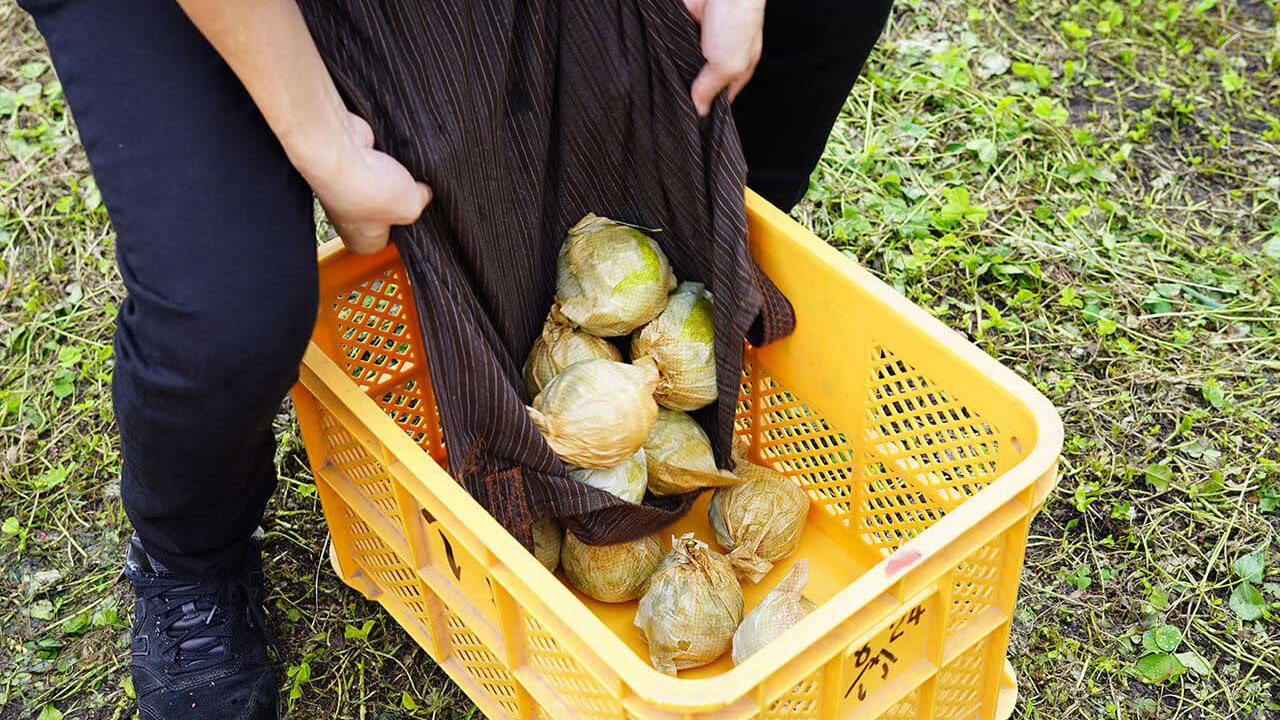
(210, 125)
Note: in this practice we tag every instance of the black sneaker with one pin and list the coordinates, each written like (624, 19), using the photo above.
(199, 649)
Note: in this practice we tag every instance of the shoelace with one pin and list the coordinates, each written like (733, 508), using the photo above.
(194, 619)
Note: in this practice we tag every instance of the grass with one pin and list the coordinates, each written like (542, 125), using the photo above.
(1088, 190)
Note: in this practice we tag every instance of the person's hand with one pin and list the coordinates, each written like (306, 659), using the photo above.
(732, 35)
(268, 46)
(364, 192)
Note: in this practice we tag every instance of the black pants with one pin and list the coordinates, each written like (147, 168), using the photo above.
(215, 240)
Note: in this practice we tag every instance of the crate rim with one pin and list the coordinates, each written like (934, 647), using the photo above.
(320, 372)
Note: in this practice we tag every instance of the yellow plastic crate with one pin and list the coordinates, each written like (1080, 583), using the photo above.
(925, 460)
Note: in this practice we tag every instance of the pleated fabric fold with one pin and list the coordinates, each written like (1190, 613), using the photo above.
(523, 116)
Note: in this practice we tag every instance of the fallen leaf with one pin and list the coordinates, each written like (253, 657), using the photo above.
(993, 63)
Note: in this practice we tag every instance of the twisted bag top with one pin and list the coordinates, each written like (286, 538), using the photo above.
(524, 115)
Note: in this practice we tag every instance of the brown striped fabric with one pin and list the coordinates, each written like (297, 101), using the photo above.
(524, 115)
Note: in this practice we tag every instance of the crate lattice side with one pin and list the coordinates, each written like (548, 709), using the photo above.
(921, 452)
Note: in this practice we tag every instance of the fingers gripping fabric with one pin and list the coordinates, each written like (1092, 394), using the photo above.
(524, 117)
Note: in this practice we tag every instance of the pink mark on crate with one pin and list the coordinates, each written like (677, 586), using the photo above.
(900, 561)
